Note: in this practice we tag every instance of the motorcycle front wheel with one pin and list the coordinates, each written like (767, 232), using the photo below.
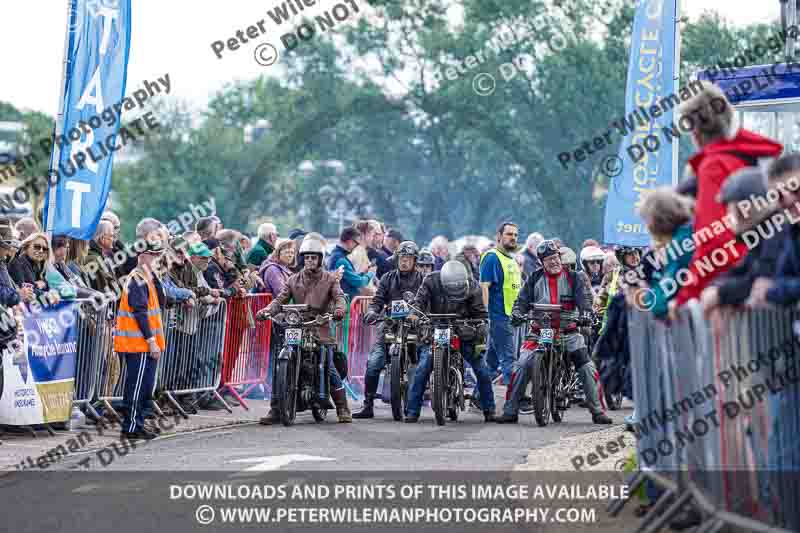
(541, 394)
(396, 369)
(285, 383)
(456, 394)
(439, 392)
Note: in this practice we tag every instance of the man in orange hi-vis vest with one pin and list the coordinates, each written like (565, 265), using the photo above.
(139, 334)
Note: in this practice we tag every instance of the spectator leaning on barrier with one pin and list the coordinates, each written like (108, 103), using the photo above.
(234, 267)
(200, 258)
(441, 251)
(501, 281)
(784, 287)
(101, 251)
(760, 224)
(29, 268)
(722, 151)
(139, 332)
(267, 236)
(207, 227)
(76, 257)
(130, 257)
(352, 281)
(217, 268)
(10, 293)
(277, 268)
(60, 277)
(668, 218)
(26, 226)
(174, 292)
(532, 262)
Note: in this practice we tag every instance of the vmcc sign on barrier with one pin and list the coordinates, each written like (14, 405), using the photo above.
(94, 74)
(39, 368)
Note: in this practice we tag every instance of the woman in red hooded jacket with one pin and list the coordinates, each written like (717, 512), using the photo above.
(723, 149)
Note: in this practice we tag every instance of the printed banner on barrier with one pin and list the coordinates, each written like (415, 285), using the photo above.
(651, 71)
(39, 371)
(99, 34)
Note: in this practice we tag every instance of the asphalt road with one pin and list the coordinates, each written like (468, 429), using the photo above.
(132, 490)
(376, 444)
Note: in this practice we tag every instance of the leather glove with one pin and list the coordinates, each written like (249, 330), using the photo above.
(371, 318)
(263, 314)
(517, 319)
(338, 314)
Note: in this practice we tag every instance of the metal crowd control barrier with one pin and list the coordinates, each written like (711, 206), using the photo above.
(193, 360)
(111, 369)
(360, 338)
(247, 345)
(94, 334)
(718, 418)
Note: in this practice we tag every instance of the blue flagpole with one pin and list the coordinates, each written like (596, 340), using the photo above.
(676, 84)
(53, 175)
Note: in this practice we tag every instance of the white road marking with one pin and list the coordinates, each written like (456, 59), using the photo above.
(275, 462)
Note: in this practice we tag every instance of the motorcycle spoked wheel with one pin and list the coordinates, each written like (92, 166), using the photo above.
(561, 391)
(439, 392)
(456, 395)
(541, 388)
(397, 384)
(286, 384)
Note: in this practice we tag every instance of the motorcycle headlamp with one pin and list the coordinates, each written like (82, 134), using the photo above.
(293, 318)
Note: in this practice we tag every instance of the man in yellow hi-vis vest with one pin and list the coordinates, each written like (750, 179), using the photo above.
(501, 282)
(139, 332)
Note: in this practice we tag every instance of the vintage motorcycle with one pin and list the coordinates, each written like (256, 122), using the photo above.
(554, 384)
(301, 371)
(400, 339)
(447, 377)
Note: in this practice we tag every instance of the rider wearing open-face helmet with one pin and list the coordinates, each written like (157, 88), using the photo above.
(321, 292)
(553, 285)
(592, 259)
(425, 262)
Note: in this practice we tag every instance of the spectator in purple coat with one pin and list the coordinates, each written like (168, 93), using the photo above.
(277, 268)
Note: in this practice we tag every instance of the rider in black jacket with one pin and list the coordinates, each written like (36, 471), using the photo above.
(391, 287)
(451, 290)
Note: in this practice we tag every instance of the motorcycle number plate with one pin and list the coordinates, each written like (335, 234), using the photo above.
(441, 335)
(546, 336)
(399, 309)
(293, 336)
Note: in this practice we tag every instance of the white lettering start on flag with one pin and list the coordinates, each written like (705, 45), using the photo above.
(78, 188)
(108, 13)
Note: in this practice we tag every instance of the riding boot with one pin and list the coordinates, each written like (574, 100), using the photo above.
(342, 411)
(586, 375)
(366, 410)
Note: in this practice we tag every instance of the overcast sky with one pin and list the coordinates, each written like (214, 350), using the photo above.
(174, 37)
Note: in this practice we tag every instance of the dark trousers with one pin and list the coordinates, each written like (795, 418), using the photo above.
(139, 382)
